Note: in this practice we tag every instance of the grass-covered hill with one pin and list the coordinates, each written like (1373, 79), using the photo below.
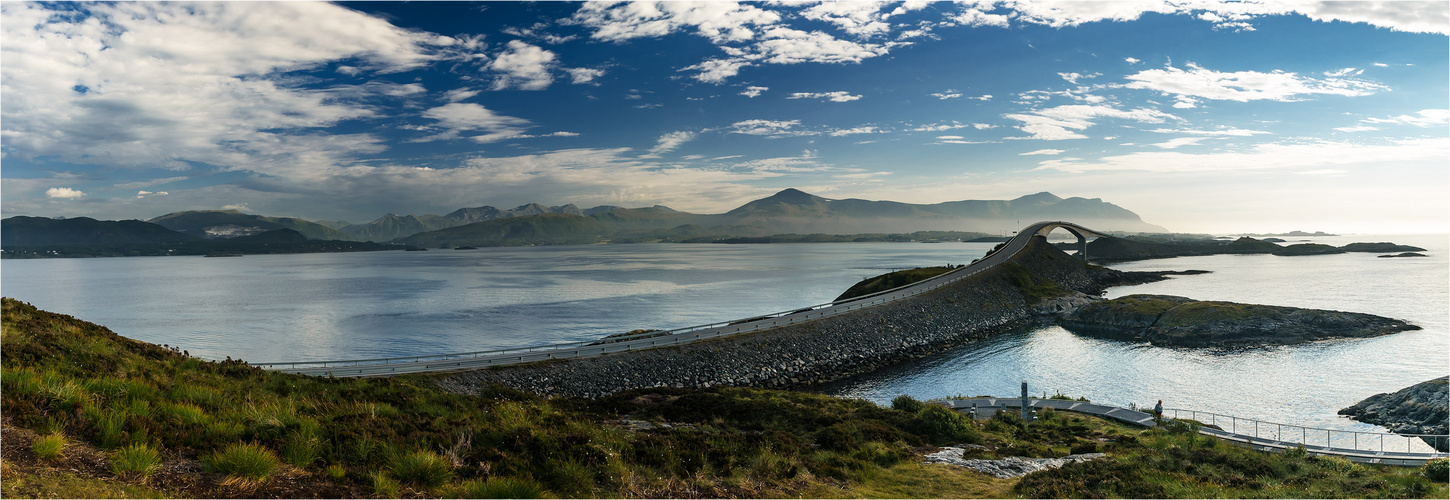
(891, 280)
(88, 413)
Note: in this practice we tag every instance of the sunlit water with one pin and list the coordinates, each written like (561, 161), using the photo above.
(361, 305)
(1301, 385)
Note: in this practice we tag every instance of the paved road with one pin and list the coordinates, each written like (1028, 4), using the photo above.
(1391, 457)
(382, 367)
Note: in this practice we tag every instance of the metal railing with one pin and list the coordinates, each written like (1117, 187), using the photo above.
(1312, 436)
(678, 336)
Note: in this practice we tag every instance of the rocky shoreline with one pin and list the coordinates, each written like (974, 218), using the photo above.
(1166, 320)
(1423, 408)
(991, 303)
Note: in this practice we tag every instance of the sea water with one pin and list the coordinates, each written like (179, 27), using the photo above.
(272, 308)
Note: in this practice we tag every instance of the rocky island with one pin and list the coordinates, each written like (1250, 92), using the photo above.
(1417, 409)
(1166, 320)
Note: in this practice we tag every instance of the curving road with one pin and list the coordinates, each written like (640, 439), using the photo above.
(381, 367)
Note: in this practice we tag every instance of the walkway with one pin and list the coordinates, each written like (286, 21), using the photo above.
(382, 367)
(1280, 441)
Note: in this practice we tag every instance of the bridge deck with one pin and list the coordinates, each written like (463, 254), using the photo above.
(1146, 420)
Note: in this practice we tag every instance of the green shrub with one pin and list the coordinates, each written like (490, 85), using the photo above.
(944, 426)
(137, 459)
(250, 461)
(423, 468)
(907, 404)
(502, 487)
(49, 447)
(1437, 470)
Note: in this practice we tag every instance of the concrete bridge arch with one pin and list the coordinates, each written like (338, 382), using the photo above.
(1045, 228)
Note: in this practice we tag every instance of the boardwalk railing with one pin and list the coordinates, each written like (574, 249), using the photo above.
(1312, 436)
(1256, 434)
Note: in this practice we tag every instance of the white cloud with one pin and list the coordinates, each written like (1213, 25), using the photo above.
(1221, 131)
(459, 117)
(940, 127)
(837, 96)
(753, 91)
(1343, 72)
(960, 141)
(950, 137)
(1043, 152)
(949, 94)
(672, 140)
(782, 45)
(1131, 60)
(1415, 17)
(146, 84)
(1074, 77)
(983, 126)
(1424, 118)
(1178, 142)
(1357, 128)
(769, 128)
(63, 193)
(859, 18)
(1060, 122)
(1064, 14)
(524, 66)
(854, 131)
(1245, 86)
(456, 95)
(1271, 156)
(581, 76)
(720, 22)
(143, 194)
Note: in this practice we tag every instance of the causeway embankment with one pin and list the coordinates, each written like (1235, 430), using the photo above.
(990, 303)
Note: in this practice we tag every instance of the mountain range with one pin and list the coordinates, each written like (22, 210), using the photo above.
(788, 211)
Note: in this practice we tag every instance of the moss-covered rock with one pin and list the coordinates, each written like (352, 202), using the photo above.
(1179, 321)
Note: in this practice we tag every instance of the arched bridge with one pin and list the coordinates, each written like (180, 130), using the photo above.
(501, 357)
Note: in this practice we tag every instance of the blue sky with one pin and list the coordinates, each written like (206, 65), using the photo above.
(1199, 116)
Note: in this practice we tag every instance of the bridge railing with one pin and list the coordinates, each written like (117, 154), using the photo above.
(1312, 436)
(697, 332)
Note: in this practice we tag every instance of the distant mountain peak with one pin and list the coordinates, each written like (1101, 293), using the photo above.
(1043, 197)
(793, 196)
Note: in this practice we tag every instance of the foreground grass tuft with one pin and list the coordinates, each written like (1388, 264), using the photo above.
(49, 447)
(501, 487)
(423, 468)
(246, 461)
(137, 460)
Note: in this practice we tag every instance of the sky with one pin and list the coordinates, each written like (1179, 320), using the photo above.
(1249, 116)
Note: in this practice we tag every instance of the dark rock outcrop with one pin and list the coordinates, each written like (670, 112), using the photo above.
(1423, 408)
(1167, 320)
(1406, 254)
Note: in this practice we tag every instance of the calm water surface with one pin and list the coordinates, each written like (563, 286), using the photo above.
(360, 305)
(384, 304)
